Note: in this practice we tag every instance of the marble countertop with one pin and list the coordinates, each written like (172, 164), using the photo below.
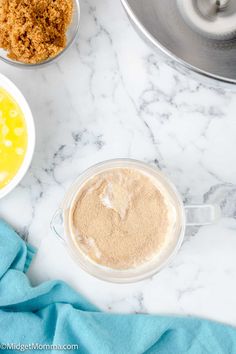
(111, 96)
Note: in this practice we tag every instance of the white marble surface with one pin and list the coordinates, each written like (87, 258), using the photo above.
(110, 96)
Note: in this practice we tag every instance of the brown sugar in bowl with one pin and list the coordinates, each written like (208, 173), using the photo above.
(36, 32)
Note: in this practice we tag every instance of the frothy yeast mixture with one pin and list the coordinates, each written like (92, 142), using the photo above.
(121, 218)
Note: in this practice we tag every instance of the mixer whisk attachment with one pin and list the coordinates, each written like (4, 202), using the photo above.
(215, 19)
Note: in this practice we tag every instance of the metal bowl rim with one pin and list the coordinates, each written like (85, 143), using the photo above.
(167, 52)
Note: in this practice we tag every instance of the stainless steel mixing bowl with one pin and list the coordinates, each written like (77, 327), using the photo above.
(199, 35)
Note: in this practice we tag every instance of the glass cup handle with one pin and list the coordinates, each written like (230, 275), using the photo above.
(57, 224)
(200, 215)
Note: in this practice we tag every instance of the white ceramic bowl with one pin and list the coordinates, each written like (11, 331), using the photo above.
(19, 98)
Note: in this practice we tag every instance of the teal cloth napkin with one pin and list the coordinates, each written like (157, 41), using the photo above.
(53, 313)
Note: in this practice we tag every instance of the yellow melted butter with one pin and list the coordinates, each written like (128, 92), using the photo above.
(13, 137)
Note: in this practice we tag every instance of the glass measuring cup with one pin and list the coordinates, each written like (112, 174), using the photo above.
(185, 215)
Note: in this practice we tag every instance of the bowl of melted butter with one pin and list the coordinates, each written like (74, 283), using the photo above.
(17, 136)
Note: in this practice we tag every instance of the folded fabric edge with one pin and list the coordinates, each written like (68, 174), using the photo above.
(19, 252)
(31, 251)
